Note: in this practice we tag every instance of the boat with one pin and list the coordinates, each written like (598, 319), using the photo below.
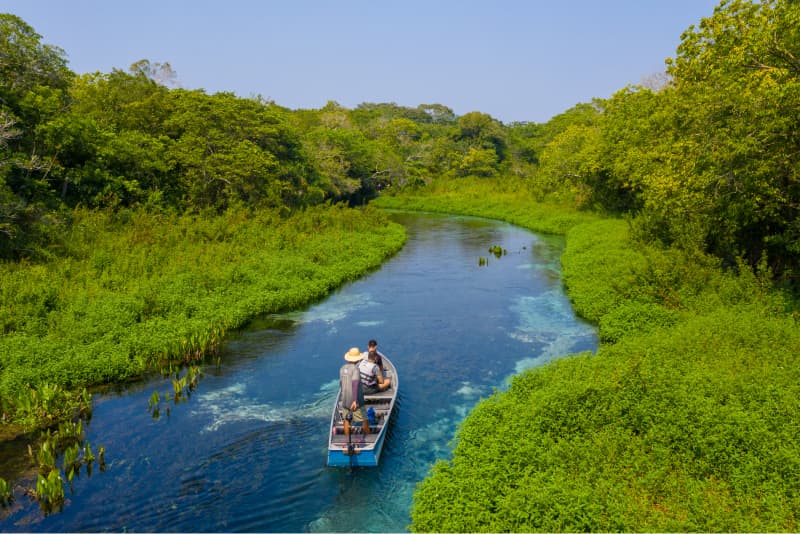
(359, 449)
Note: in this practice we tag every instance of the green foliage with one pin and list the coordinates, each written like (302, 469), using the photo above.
(27, 62)
(478, 162)
(685, 419)
(132, 291)
(711, 159)
(5, 492)
(44, 404)
(568, 162)
(634, 318)
(50, 491)
(68, 442)
(125, 140)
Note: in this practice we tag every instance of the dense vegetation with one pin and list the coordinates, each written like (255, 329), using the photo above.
(132, 290)
(126, 140)
(686, 418)
(708, 159)
(140, 222)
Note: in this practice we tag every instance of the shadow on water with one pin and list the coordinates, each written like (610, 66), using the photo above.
(247, 452)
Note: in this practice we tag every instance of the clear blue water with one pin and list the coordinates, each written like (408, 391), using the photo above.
(247, 451)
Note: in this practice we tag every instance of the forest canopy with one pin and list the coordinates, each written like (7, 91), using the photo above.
(125, 139)
(706, 159)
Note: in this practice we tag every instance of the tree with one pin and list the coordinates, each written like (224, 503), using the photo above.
(478, 162)
(27, 62)
(161, 73)
(569, 158)
(33, 79)
(737, 84)
(480, 134)
(439, 114)
(225, 148)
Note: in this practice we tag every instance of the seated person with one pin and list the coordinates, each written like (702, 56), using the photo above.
(371, 375)
(372, 347)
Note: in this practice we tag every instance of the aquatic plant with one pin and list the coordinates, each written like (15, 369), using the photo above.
(71, 461)
(5, 492)
(88, 455)
(182, 387)
(67, 441)
(46, 455)
(153, 404)
(498, 251)
(50, 403)
(50, 491)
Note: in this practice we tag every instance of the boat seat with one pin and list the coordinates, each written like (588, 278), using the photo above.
(381, 395)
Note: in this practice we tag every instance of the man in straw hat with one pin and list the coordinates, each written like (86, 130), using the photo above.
(352, 392)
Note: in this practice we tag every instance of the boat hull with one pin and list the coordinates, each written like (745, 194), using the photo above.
(359, 449)
(359, 458)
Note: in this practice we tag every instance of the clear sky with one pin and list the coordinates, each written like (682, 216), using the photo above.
(517, 60)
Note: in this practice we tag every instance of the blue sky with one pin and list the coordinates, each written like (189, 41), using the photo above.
(515, 60)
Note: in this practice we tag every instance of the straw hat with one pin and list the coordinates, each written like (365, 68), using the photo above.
(353, 355)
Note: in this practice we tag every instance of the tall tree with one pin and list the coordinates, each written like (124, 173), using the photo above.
(26, 62)
(33, 80)
(737, 83)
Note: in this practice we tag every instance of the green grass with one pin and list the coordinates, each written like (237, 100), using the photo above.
(686, 419)
(129, 291)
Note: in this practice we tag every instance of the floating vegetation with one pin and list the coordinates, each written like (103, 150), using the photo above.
(498, 251)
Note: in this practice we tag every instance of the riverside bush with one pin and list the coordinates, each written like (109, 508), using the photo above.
(126, 291)
(686, 418)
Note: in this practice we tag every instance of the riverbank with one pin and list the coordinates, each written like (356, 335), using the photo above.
(132, 292)
(684, 420)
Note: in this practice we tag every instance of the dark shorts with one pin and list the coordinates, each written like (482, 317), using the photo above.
(372, 391)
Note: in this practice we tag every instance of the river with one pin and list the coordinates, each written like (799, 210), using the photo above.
(247, 451)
